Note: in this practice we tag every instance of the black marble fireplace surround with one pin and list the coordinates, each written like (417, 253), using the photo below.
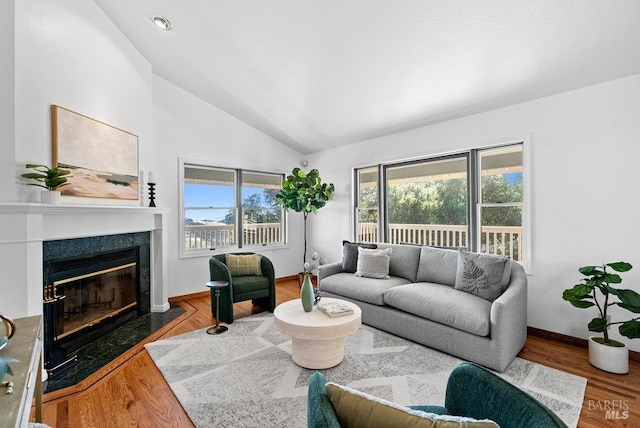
(71, 257)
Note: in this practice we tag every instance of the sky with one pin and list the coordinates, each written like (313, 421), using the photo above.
(207, 195)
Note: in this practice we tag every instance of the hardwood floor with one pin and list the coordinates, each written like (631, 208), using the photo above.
(132, 392)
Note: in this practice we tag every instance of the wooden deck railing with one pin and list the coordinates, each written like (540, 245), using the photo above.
(499, 240)
(223, 235)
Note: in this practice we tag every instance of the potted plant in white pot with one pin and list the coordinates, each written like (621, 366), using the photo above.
(305, 193)
(50, 179)
(596, 290)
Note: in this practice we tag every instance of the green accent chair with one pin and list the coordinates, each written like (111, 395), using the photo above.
(472, 391)
(261, 290)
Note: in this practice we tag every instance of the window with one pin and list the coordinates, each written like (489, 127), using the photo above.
(261, 215)
(225, 209)
(500, 200)
(367, 204)
(427, 202)
(473, 199)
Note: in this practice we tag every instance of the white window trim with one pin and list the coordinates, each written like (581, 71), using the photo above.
(525, 140)
(183, 253)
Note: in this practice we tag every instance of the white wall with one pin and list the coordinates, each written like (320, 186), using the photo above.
(185, 126)
(67, 53)
(585, 147)
(7, 82)
(70, 54)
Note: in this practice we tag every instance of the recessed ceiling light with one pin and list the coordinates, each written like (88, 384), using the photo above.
(161, 22)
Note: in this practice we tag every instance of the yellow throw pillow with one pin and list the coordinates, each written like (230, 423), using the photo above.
(357, 409)
(244, 264)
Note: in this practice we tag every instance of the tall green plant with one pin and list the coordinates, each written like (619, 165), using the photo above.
(48, 178)
(305, 193)
(585, 295)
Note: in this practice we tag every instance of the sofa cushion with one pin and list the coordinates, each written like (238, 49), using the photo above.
(356, 409)
(404, 260)
(437, 265)
(373, 263)
(443, 304)
(359, 288)
(244, 264)
(484, 275)
(350, 254)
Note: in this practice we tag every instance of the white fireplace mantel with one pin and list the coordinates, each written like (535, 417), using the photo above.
(25, 226)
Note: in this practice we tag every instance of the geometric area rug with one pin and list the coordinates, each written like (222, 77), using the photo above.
(246, 378)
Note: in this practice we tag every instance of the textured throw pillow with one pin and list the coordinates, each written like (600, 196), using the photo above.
(350, 255)
(244, 264)
(483, 275)
(358, 409)
(373, 263)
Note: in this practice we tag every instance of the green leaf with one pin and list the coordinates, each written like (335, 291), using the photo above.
(596, 281)
(590, 270)
(630, 329)
(630, 299)
(620, 266)
(35, 175)
(582, 304)
(578, 292)
(633, 309)
(612, 278)
(597, 324)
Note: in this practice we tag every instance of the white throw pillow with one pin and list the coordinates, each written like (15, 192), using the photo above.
(373, 263)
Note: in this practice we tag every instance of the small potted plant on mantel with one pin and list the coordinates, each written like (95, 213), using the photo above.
(50, 179)
(606, 353)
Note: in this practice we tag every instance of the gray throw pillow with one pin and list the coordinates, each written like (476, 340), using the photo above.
(438, 265)
(350, 255)
(484, 275)
(373, 263)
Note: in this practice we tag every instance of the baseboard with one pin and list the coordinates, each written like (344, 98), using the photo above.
(182, 298)
(558, 337)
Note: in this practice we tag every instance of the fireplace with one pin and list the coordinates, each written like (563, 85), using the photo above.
(91, 286)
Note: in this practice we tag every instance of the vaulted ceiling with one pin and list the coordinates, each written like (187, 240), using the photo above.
(317, 74)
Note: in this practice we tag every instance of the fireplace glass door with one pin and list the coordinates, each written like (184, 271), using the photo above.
(96, 296)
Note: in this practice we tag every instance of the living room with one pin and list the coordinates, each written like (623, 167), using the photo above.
(579, 141)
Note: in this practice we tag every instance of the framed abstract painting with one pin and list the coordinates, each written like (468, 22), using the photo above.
(103, 159)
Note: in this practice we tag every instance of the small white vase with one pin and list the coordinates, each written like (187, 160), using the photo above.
(612, 359)
(50, 197)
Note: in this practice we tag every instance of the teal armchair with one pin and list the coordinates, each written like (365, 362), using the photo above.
(472, 392)
(261, 290)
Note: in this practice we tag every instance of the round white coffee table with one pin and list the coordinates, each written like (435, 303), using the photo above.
(317, 341)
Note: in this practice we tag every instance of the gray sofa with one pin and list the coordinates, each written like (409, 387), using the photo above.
(419, 302)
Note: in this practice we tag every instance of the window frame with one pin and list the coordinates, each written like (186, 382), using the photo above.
(239, 245)
(473, 195)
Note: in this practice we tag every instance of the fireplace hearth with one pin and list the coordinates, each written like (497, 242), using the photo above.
(91, 287)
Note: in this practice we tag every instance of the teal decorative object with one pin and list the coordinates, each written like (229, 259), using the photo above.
(306, 293)
(4, 366)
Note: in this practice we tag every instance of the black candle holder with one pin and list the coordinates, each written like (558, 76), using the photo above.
(152, 194)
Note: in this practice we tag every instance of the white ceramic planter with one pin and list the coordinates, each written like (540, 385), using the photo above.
(50, 197)
(611, 359)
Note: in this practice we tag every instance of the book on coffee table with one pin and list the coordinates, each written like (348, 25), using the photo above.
(335, 309)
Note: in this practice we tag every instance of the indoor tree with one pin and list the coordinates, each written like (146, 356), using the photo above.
(305, 193)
